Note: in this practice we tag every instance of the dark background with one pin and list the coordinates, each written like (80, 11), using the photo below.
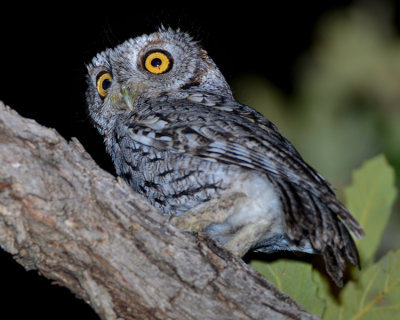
(43, 55)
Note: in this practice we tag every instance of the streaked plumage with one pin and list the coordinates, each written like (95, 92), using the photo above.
(180, 138)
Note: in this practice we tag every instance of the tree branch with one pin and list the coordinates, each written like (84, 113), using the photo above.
(88, 231)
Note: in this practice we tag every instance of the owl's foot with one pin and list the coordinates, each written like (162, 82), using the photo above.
(232, 220)
(207, 213)
(238, 241)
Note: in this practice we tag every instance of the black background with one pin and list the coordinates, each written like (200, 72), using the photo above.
(43, 55)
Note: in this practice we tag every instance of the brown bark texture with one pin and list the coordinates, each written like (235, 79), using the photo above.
(88, 231)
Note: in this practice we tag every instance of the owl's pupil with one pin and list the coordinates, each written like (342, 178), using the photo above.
(156, 62)
(106, 84)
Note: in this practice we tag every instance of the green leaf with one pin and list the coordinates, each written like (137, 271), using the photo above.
(375, 295)
(370, 199)
(293, 277)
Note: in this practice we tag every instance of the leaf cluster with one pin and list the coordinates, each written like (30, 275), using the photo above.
(370, 293)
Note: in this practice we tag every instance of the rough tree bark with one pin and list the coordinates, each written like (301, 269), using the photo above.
(88, 231)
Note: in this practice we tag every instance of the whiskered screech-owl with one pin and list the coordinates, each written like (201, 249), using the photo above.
(176, 135)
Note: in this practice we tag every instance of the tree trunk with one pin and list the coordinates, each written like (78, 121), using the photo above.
(88, 231)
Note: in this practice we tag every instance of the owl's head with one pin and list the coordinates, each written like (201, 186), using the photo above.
(145, 67)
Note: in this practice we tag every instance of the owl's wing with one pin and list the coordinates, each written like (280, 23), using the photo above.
(237, 135)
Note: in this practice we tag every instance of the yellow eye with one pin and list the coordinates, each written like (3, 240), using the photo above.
(158, 62)
(103, 83)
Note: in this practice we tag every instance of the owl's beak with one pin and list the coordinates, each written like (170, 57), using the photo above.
(127, 97)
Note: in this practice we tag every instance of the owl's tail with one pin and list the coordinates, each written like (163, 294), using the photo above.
(339, 246)
(319, 217)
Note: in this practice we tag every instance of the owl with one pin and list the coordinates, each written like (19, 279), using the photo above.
(177, 136)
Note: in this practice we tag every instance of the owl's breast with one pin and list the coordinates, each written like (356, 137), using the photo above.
(173, 182)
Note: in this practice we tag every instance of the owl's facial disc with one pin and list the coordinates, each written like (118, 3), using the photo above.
(149, 74)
